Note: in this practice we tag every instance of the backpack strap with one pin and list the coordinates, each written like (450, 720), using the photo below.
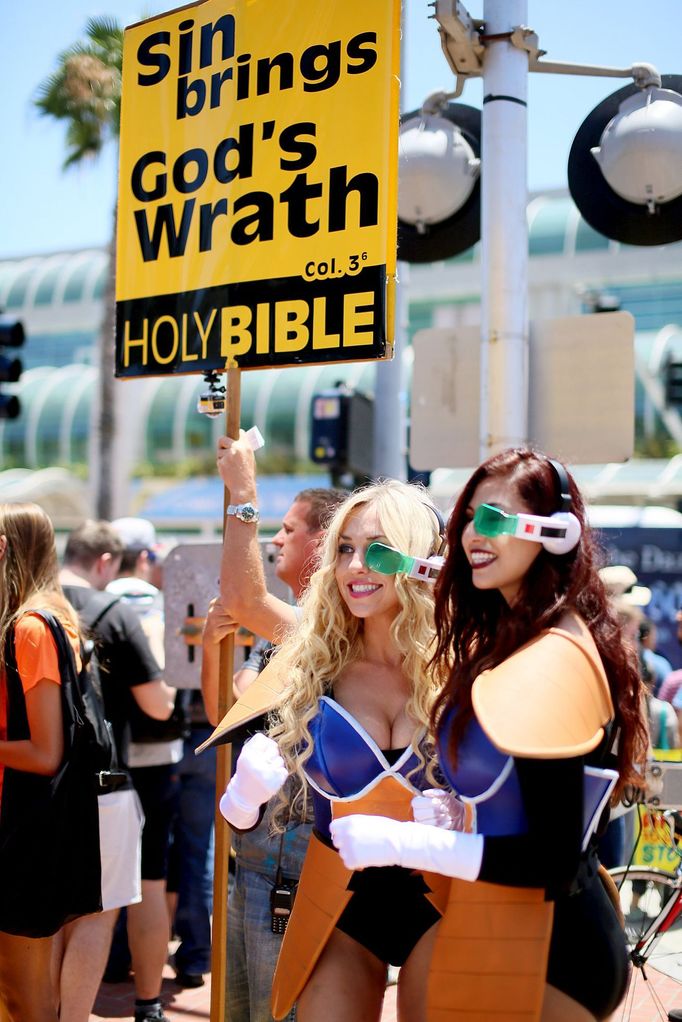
(64, 650)
(71, 695)
(78, 708)
(92, 625)
(88, 644)
(17, 718)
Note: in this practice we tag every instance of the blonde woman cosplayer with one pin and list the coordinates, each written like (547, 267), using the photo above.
(351, 733)
(330, 637)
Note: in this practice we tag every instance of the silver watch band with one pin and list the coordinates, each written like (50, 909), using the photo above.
(246, 512)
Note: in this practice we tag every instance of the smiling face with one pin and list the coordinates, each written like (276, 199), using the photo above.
(367, 594)
(498, 562)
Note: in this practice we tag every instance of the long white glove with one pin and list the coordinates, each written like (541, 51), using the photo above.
(260, 773)
(378, 841)
(439, 808)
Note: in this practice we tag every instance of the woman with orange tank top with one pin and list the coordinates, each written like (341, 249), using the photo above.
(32, 744)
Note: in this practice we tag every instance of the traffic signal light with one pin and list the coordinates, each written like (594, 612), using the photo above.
(11, 336)
(329, 427)
(342, 431)
(672, 379)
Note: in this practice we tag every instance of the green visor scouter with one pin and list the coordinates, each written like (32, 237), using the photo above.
(386, 560)
(492, 521)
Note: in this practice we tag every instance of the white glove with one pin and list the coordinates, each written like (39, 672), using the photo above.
(260, 773)
(378, 841)
(438, 808)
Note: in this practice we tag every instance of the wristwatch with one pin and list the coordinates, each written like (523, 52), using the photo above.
(244, 512)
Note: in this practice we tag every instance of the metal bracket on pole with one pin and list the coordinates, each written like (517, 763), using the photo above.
(642, 75)
(436, 102)
(459, 36)
(463, 41)
(526, 39)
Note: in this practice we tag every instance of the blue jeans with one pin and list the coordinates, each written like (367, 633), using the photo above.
(252, 948)
(193, 851)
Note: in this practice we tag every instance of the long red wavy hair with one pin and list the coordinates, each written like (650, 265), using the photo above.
(476, 629)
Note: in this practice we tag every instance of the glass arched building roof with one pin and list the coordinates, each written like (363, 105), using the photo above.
(59, 279)
(59, 297)
(160, 418)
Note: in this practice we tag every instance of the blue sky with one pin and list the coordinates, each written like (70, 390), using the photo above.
(44, 209)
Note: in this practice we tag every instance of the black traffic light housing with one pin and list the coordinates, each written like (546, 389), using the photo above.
(342, 432)
(12, 335)
(329, 427)
(672, 380)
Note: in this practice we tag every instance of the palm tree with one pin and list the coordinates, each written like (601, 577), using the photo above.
(85, 91)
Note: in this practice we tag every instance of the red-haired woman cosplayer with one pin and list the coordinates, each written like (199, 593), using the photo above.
(543, 698)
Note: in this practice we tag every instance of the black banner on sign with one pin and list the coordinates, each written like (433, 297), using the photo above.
(254, 325)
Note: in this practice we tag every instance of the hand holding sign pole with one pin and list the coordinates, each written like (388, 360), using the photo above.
(224, 754)
(225, 700)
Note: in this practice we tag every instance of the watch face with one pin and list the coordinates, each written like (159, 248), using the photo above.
(244, 512)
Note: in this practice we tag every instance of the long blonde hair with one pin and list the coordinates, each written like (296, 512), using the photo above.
(29, 571)
(328, 637)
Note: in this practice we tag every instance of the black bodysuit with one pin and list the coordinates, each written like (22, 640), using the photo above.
(388, 913)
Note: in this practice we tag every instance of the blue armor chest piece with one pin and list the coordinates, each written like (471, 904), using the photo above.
(486, 779)
(346, 762)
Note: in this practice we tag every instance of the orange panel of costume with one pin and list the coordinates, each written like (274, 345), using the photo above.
(530, 767)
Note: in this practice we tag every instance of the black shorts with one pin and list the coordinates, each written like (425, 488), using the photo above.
(388, 912)
(588, 958)
(158, 788)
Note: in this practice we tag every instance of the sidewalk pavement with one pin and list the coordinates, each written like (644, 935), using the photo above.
(115, 1001)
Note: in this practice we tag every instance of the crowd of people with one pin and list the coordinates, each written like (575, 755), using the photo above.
(447, 705)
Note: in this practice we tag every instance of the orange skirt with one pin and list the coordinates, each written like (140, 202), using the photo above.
(323, 894)
(490, 955)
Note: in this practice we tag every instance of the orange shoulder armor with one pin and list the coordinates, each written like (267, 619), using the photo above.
(260, 698)
(548, 700)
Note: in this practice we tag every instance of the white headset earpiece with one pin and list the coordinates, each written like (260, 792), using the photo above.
(567, 542)
(564, 517)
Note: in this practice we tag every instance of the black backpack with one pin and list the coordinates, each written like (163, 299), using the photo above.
(110, 776)
(49, 826)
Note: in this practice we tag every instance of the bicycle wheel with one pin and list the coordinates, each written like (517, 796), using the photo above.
(648, 898)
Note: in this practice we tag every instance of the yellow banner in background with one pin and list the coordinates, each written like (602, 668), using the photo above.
(257, 207)
(654, 845)
(668, 755)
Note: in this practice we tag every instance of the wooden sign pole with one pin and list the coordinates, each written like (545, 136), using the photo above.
(225, 700)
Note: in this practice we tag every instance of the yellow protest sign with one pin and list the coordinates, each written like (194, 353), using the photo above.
(257, 209)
